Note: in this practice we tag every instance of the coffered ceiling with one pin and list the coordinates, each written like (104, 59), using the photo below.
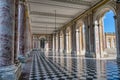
(42, 13)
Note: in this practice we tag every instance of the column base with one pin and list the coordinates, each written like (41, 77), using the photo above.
(22, 58)
(98, 56)
(90, 54)
(64, 52)
(73, 54)
(10, 72)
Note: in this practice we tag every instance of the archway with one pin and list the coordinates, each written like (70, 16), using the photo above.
(106, 32)
(42, 43)
(80, 38)
(109, 34)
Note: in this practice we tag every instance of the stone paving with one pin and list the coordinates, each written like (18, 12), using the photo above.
(62, 68)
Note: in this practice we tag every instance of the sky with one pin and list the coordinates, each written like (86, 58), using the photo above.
(109, 23)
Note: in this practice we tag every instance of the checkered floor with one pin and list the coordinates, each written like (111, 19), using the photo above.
(61, 68)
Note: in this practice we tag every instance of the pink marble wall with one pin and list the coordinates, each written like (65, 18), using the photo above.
(6, 32)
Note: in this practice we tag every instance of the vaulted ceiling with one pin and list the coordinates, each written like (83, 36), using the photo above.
(42, 13)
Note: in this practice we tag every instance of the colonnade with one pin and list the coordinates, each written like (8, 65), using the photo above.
(85, 36)
(16, 38)
(42, 41)
(71, 41)
(110, 40)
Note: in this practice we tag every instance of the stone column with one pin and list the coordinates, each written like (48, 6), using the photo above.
(58, 44)
(7, 68)
(67, 42)
(16, 31)
(21, 27)
(54, 44)
(86, 27)
(97, 42)
(61, 43)
(73, 39)
(50, 43)
(101, 34)
(80, 39)
(78, 42)
(89, 34)
(83, 41)
(33, 43)
(117, 20)
(64, 36)
(92, 36)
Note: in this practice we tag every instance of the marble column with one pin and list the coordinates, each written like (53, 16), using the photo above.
(92, 36)
(50, 43)
(7, 68)
(61, 43)
(78, 42)
(73, 39)
(87, 39)
(97, 42)
(101, 34)
(117, 20)
(16, 32)
(89, 36)
(54, 44)
(67, 43)
(83, 39)
(80, 38)
(21, 27)
(64, 36)
(58, 44)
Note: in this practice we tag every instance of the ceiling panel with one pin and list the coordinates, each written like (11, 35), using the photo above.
(42, 13)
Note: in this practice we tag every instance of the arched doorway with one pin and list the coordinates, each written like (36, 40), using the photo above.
(42, 43)
(109, 34)
(106, 32)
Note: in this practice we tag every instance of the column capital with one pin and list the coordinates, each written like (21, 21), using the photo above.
(96, 24)
(66, 34)
(77, 31)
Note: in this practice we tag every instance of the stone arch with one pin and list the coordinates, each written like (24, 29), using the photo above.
(42, 41)
(102, 10)
(40, 37)
(68, 29)
(98, 21)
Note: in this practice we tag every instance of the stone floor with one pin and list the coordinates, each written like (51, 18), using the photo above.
(62, 68)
